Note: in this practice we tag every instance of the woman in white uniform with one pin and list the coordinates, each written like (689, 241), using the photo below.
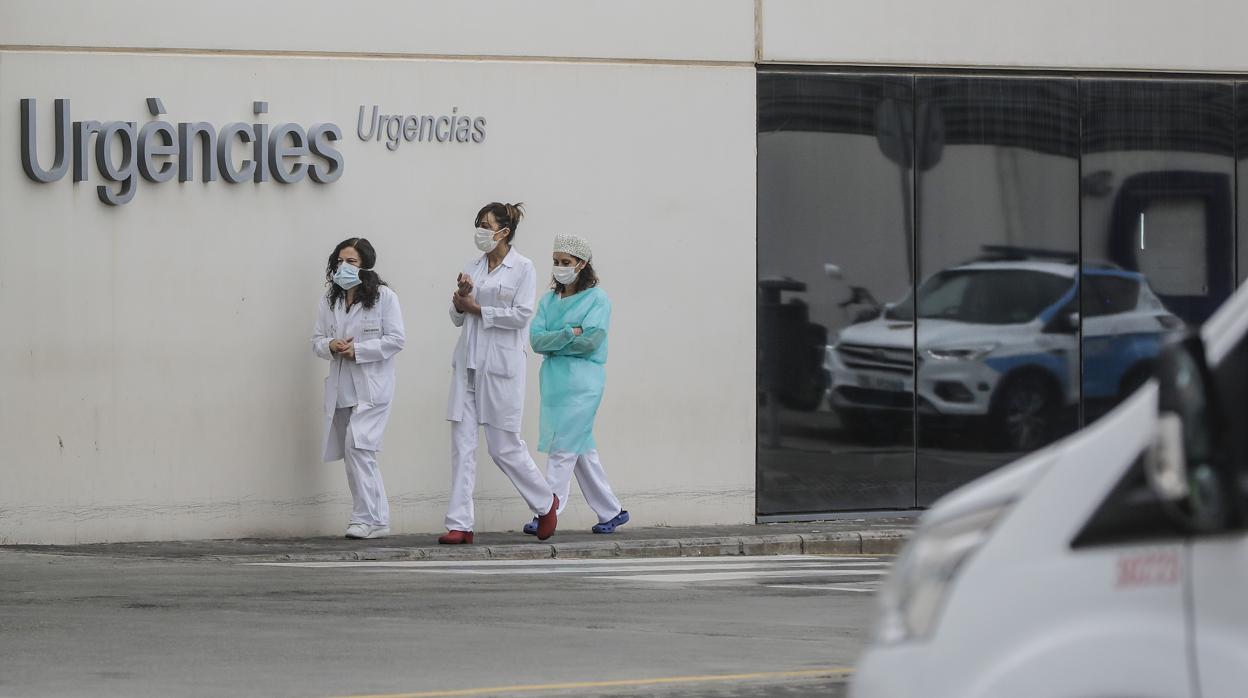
(493, 306)
(359, 329)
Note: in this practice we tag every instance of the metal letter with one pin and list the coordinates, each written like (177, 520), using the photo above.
(372, 124)
(437, 131)
(225, 157)
(259, 108)
(30, 156)
(278, 152)
(319, 137)
(123, 172)
(411, 128)
(155, 107)
(82, 132)
(149, 149)
(186, 149)
(394, 132)
(259, 153)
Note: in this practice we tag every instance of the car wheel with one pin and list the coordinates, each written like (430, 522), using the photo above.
(1023, 414)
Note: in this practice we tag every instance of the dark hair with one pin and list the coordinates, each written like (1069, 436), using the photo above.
(506, 215)
(587, 279)
(367, 292)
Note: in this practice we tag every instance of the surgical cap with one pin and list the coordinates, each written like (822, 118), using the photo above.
(574, 245)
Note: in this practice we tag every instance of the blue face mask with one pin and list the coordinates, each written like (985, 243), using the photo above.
(347, 277)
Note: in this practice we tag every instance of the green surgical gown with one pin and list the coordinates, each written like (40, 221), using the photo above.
(573, 372)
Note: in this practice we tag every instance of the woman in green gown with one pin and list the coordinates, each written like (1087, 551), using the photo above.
(570, 332)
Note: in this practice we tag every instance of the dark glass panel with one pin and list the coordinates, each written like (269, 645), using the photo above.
(835, 239)
(998, 223)
(1158, 221)
(1241, 179)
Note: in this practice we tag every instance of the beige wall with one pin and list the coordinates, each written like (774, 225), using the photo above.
(159, 383)
(660, 30)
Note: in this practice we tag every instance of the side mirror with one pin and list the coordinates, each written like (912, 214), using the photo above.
(1063, 323)
(1187, 465)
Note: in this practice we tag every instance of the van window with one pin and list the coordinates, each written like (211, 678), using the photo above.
(1109, 295)
(985, 296)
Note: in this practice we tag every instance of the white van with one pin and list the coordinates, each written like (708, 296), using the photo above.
(1113, 563)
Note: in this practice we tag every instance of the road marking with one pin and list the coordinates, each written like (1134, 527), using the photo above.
(830, 672)
(833, 573)
(574, 562)
(731, 576)
(649, 568)
(823, 587)
(578, 570)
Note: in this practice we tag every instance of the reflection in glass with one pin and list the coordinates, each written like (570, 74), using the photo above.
(835, 233)
(998, 248)
(1061, 229)
(1158, 222)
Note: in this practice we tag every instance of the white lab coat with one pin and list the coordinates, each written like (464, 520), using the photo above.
(507, 297)
(378, 334)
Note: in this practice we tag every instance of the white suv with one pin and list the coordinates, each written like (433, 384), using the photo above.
(998, 346)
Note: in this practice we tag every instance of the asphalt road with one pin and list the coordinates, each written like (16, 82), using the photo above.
(677, 627)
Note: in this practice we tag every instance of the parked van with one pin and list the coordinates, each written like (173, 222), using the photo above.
(1111, 563)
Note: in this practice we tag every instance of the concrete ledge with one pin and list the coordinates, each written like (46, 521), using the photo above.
(866, 540)
(708, 547)
(831, 543)
(876, 542)
(772, 545)
(648, 548)
(882, 542)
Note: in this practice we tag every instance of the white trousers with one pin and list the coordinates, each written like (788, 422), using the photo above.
(368, 493)
(561, 466)
(509, 453)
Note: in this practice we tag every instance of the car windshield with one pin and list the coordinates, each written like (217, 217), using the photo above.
(984, 296)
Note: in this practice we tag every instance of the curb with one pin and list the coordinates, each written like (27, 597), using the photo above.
(874, 542)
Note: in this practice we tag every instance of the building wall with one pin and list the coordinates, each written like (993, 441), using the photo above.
(1202, 36)
(161, 385)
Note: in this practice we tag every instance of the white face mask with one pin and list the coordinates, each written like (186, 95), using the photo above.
(566, 275)
(485, 240)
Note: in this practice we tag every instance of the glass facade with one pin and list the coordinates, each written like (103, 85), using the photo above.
(954, 270)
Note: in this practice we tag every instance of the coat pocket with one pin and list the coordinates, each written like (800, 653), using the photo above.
(380, 385)
(503, 362)
(506, 296)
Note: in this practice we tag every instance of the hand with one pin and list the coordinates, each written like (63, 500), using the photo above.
(465, 304)
(349, 352)
(465, 284)
(577, 331)
(337, 346)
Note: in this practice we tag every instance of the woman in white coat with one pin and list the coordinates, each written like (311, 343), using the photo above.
(359, 329)
(493, 306)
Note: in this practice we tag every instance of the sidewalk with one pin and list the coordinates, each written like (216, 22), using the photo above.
(864, 536)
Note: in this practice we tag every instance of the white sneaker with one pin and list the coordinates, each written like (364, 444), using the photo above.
(363, 530)
(376, 531)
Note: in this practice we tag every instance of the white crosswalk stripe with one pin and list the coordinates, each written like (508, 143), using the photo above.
(848, 574)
